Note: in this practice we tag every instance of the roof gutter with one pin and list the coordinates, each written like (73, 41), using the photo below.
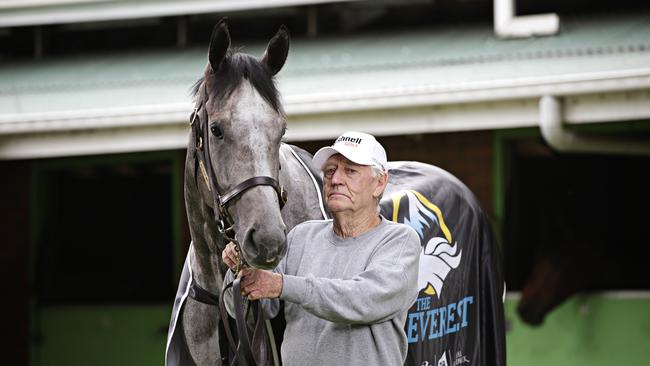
(564, 140)
(329, 103)
(35, 12)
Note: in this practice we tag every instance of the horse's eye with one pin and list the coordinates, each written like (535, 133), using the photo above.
(216, 131)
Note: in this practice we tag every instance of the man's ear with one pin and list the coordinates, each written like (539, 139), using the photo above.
(383, 181)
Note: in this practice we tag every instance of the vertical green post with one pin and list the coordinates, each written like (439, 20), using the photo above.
(177, 199)
(500, 170)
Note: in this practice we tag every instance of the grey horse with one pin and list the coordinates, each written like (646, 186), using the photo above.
(246, 121)
(236, 171)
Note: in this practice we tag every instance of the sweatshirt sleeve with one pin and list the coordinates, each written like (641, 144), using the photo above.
(385, 288)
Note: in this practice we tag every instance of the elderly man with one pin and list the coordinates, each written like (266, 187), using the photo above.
(346, 283)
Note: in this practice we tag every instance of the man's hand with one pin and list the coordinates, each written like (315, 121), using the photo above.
(230, 256)
(260, 284)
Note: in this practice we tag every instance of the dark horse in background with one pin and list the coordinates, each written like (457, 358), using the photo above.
(242, 183)
(583, 219)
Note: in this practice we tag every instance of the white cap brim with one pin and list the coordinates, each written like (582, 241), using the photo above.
(352, 154)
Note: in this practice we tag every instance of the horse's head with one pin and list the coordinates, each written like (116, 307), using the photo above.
(548, 285)
(239, 106)
(556, 275)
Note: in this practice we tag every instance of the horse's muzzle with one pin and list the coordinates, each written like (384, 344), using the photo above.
(264, 247)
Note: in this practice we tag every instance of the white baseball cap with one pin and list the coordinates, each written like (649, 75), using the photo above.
(358, 147)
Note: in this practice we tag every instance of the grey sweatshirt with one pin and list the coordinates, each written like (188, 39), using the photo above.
(346, 299)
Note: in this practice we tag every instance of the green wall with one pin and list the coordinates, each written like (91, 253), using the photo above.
(594, 331)
(98, 336)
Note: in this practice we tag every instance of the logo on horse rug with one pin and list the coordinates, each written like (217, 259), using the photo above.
(432, 316)
(439, 256)
(458, 314)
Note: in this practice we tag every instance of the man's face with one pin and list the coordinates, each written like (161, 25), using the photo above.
(348, 186)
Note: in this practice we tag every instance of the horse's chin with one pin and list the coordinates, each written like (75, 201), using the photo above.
(261, 261)
(534, 321)
(265, 267)
(264, 263)
(530, 315)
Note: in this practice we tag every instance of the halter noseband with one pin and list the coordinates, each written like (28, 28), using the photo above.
(220, 201)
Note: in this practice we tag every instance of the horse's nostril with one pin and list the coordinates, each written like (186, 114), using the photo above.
(264, 245)
(251, 240)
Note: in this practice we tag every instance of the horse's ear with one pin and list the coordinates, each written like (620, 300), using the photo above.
(219, 44)
(277, 50)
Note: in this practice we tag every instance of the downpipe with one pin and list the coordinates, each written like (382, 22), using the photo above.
(508, 25)
(564, 140)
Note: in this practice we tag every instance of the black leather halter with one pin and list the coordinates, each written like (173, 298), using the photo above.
(244, 342)
(220, 201)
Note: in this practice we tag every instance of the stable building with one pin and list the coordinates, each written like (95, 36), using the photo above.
(548, 125)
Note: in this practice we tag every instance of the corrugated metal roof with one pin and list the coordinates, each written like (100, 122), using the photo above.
(99, 81)
(440, 58)
(427, 67)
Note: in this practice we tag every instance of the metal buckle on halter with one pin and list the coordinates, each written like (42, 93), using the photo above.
(222, 220)
(225, 231)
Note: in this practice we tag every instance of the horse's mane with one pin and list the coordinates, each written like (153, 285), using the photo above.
(237, 67)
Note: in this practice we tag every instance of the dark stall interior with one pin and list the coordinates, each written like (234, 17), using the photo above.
(575, 223)
(104, 233)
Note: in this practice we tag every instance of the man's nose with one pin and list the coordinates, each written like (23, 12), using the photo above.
(337, 177)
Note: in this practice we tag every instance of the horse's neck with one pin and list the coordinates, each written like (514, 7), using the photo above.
(303, 197)
(206, 269)
(205, 255)
(206, 262)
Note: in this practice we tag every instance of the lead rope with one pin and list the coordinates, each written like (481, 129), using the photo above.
(260, 313)
(243, 354)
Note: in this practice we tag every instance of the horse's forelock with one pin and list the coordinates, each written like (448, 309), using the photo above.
(196, 87)
(234, 69)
